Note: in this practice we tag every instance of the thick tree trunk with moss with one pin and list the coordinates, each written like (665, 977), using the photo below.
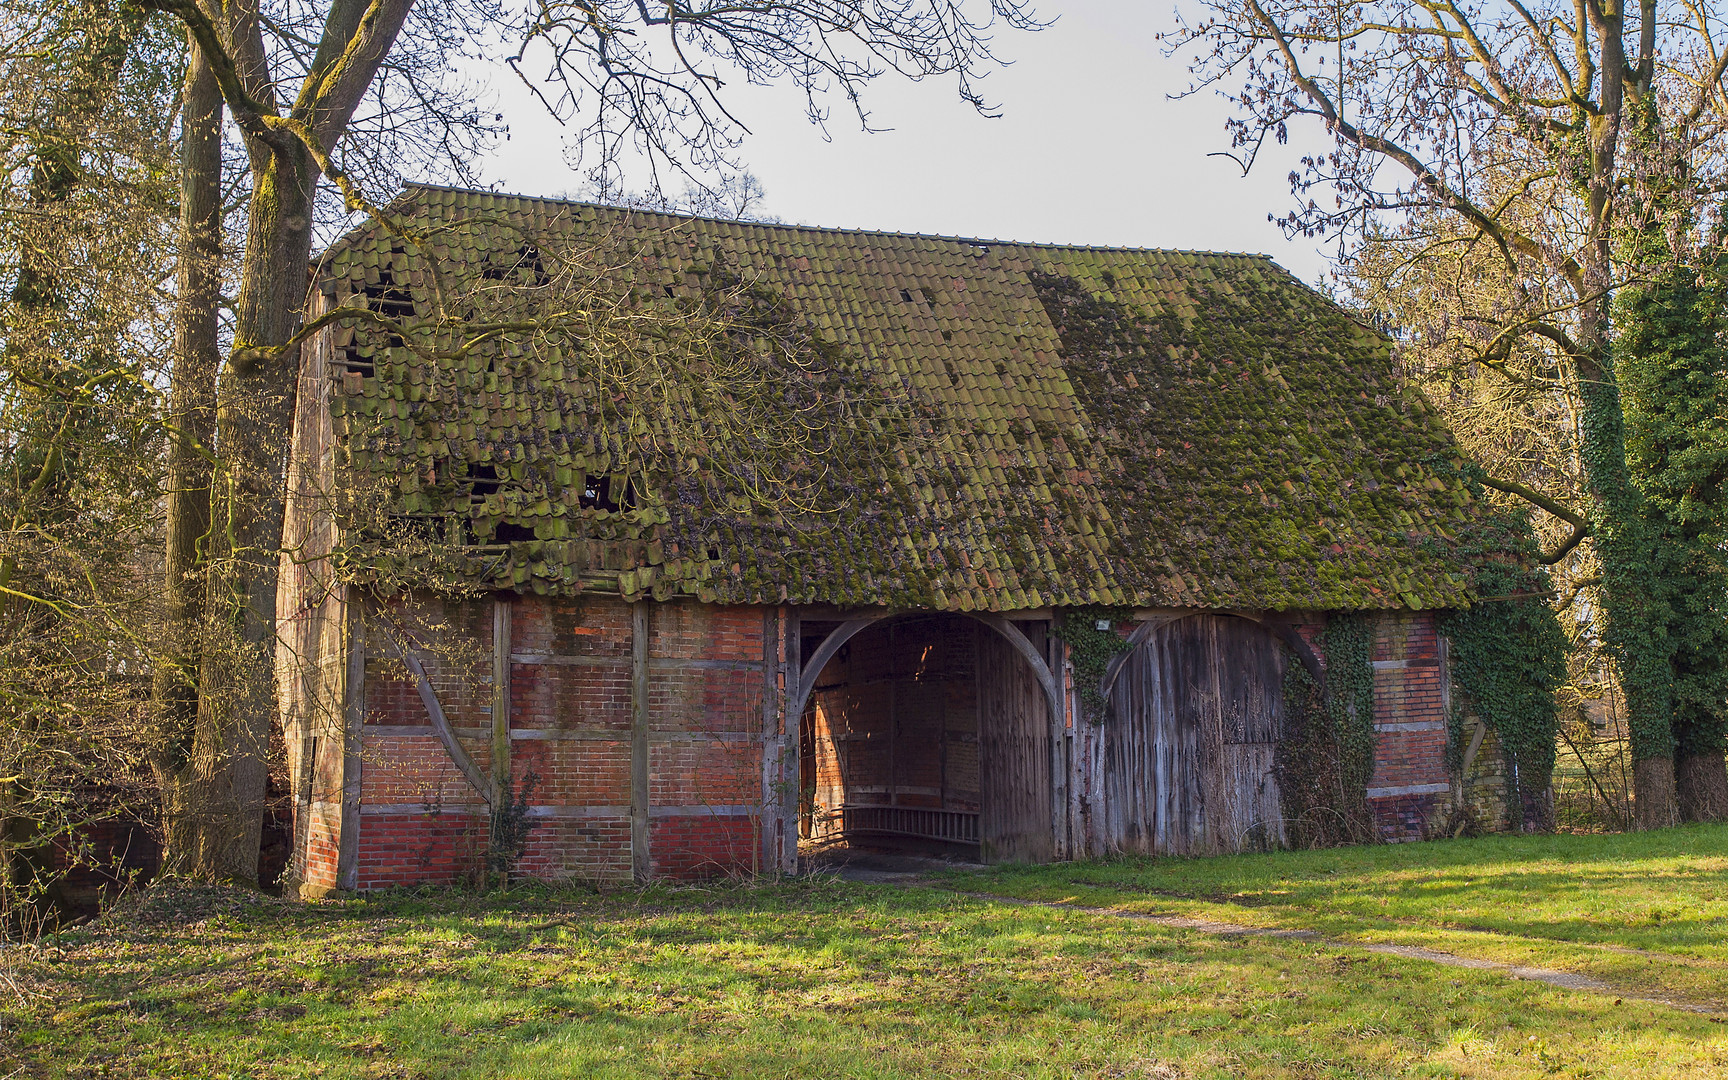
(1701, 786)
(254, 412)
(227, 772)
(1635, 614)
(192, 414)
(1636, 617)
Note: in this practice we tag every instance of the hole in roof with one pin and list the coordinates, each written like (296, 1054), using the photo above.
(508, 532)
(388, 299)
(482, 481)
(947, 335)
(906, 295)
(1109, 279)
(524, 263)
(613, 494)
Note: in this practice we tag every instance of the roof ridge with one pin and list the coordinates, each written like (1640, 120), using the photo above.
(973, 240)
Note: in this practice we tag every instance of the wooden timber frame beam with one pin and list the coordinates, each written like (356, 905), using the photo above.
(353, 730)
(441, 723)
(806, 674)
(501, 697)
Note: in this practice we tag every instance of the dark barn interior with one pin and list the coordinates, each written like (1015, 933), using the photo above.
(929, 735)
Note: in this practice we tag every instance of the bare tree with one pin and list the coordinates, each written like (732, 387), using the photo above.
(311, 88)
(1511, 123)
(86, 97)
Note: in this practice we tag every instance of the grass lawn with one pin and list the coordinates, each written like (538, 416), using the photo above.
(1643, 911)
(830, 979)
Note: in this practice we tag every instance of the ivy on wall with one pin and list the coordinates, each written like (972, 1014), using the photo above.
(1348, 643)
(1090, 650)
(1327, 758)
(1508, 653)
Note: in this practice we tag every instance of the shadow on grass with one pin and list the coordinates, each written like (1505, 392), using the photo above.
(1663, 891)
(804, 978)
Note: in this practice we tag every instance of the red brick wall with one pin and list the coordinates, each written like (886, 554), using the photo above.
(1411, 786)
(319, 842)
(701, 845)
(570, 720)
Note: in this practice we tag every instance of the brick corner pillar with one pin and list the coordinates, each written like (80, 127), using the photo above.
(641, 864)
(327, 777)
(1409, 794)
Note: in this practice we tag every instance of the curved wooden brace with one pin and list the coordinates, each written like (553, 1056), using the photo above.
(848, 630)
(1052, 691)
(440, 723)
(841, 634)
(1286, 633)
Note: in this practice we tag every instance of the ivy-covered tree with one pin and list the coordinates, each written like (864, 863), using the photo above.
(1672, 362)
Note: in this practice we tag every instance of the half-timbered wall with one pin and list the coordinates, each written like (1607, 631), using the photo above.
(631, 754)
(647, 740)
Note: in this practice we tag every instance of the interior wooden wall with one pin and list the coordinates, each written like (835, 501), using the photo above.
(939, 712)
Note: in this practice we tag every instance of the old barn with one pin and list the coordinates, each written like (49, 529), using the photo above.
(624, 544)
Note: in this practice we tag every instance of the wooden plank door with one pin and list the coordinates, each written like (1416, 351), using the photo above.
(1013, 756)
(1190, 749)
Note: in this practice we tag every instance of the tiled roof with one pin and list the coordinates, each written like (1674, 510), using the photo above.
(996, 425)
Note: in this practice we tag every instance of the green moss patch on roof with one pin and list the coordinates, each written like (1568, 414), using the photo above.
(859, 418)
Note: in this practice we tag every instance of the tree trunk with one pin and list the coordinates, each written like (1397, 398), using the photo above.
(1653, 804)
(192, 412)
(1636, 617)
(254, 413)
(1701, 786)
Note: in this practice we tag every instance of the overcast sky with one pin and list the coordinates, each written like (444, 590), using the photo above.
(1089, 150)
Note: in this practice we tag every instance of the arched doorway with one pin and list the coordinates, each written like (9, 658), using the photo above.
(1197, 712)
(928, 733)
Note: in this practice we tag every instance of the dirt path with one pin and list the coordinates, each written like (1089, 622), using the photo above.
(1566, 980)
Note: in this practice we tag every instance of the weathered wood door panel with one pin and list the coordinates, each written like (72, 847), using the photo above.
(1013, 756)
(1197, 712)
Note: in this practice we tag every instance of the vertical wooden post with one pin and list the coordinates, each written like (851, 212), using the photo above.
(1059, 746)
(792, 741)
(500, 702)
(353, 720)
(893, 717)
(639, 865)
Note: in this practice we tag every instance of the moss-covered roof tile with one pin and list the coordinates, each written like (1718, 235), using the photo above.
(995, 425)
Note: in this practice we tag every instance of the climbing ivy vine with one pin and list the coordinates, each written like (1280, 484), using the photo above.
(1348, 643)
(1326, 761)
(1508, 653)
(1090, 650)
